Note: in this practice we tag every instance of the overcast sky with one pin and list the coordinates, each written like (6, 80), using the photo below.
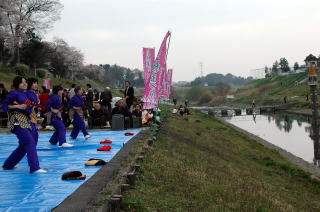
(228, 36)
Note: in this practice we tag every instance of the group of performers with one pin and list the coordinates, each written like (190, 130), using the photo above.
(22, 106)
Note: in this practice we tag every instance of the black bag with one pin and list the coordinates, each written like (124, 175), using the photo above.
(136, 122)
(117, 122)
(127, 123)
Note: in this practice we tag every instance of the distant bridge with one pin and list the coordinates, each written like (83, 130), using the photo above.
(245, 110)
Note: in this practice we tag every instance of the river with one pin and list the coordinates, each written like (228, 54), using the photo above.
(288, 131)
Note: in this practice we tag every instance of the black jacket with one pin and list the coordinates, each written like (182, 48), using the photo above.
(123, 111)
(130, 93)
(106, 97)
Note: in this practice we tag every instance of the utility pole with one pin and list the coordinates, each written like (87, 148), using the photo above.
(312, 82)
(201, 69)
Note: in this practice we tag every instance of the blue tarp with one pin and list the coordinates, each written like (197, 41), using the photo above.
(21, 191)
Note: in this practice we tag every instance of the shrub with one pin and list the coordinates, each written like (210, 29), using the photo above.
(22, 70)
(194, 93)
(205, 97)
(41, 73)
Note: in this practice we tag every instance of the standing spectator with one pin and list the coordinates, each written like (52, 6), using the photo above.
(285, 100)
(253, 104)
(128, 94)
(186, 102)
(71, 92)
(3, 115)
(89, 98)
(96, 95)
(3, 92)
(43, 97)
(174, 101)
(106, 99)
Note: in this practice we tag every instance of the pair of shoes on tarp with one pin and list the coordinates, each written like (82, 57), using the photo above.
(104, 148)
(106, 142)
(77, 175)
(95, 162)
(73, 175)
(129, 134)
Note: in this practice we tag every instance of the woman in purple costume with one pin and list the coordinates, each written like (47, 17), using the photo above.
(54, 107)
(75, 105)
(32, 96)
(19, 108)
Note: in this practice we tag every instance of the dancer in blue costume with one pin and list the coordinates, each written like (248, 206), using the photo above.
(75, 105)
(54, 107)
(32, 96)
(19, 108)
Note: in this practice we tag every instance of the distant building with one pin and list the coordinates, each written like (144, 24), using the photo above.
(230, 97)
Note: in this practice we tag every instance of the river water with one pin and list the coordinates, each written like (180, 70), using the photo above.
(288, 131)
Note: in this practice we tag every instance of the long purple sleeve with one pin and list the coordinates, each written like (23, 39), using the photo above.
(16, 98)
(76, 101)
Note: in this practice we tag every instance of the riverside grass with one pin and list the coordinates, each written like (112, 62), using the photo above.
(272, 90)
(208, 166)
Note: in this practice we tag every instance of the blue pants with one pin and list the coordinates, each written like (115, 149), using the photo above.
(78, 124)
(27, 145)
(34, 132)
(60, 134)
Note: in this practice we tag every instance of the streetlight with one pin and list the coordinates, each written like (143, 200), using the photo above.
(312, 82)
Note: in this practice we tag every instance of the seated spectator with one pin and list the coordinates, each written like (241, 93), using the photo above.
(98, 116)
(147, 117)
(137, 111)
(133, 106)
(183, 110)
(120, 108)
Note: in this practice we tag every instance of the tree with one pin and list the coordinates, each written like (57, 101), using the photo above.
(65, 61)
(275, 67)
(284, 65)
(296, 66)
(20, 15)
(32, 50)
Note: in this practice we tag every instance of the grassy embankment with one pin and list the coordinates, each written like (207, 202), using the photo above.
(208, 166)
(264, 91)
(272, 90)
(8, 74)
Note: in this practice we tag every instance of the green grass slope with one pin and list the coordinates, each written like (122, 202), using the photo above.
(273, 90)
(208, 166)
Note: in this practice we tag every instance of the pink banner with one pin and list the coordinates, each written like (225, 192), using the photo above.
(148, 62)
(152, 88)
(46, 83)
(169, 83)
(163, 87)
